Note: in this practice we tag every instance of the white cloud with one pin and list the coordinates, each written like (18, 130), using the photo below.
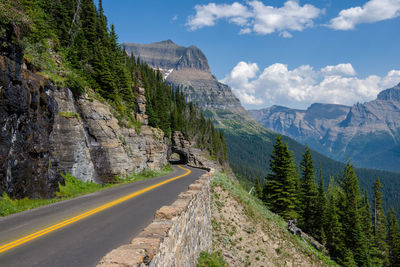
(340, 69)
(256, 17)
(206, 15)
(291, 16)
(302, 86)
(285, 34)
(372, 11)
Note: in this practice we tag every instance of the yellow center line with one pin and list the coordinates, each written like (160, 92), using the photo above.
(86, 214)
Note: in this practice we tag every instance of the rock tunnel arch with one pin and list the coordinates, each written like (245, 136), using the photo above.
(182, 157)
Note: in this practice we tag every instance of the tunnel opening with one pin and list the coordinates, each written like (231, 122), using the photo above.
(177, 157)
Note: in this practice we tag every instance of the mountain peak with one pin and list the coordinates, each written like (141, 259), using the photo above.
(390, 94)
(168, 55)
(193, 58)
(169, 41)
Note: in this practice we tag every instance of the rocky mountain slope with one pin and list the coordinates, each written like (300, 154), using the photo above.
(188, 67)
(45, 132)
(368, 133)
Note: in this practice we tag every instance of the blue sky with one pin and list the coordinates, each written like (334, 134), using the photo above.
(355, 41)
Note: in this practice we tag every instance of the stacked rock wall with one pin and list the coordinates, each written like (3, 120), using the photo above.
(177, 235)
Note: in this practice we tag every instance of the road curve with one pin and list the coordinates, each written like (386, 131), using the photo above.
(87, 239)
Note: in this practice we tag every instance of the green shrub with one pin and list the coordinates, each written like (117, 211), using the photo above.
(7, 205)
(76, 84)
(75, 187)
(207, 259)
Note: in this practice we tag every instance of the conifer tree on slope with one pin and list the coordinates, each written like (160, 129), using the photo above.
(320, 210)
(332, 225)
(380, 253)
(280, 191)
(393, 239)
(354, 237)
(366, 220)
(308, 195)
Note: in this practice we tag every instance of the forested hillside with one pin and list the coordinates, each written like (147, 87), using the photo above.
(354, 229)
(250, 147)
(70, 43)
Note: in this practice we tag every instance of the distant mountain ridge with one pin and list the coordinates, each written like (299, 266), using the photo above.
(167, 55)
(188, 67)
(368, 133)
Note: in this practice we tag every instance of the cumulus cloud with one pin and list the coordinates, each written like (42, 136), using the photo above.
(372, 11)
(302, 86)
(207, 15)
(340, 69)
(256, 17)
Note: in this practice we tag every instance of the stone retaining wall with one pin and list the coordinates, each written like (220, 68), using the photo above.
(177, 235)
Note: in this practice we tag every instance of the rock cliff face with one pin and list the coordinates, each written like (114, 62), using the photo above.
(27, 113)
(188, 67)
(91, 145)
(368, 133)
(46, 132)
(167, 55)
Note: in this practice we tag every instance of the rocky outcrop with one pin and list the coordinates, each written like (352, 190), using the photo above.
(188, 153)
(166, 55)
(91, 144)
(46, 132)
(177, 235)
(28, 166)
(69, 139)
(188, 67)
(368, 133)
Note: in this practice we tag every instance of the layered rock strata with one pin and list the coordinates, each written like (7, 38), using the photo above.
(177, 235)
(93, 146)
(46, 132)
(188, 68)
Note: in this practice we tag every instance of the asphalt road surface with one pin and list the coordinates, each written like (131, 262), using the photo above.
(77, 232)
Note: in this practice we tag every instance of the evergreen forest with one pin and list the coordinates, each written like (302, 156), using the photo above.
(351, 224)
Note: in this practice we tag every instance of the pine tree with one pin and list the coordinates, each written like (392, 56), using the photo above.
(320, 210)
(332, 225)
(393, 239)
(355, 239)
(366, 221)
(308, 195)
(280, 190)
(380, 254)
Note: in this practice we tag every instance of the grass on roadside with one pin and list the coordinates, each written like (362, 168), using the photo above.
(9, 206)
(73, 187)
